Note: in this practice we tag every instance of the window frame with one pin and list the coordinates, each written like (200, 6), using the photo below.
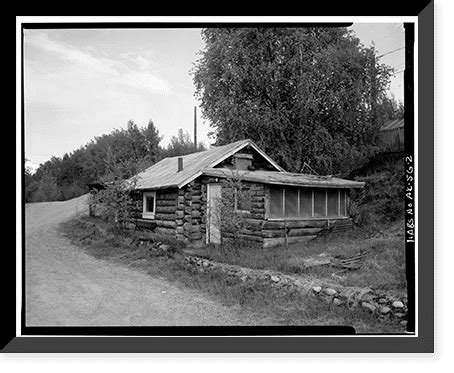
(342, 205)
(147, 214)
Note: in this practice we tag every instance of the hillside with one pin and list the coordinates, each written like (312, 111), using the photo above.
(381, 202)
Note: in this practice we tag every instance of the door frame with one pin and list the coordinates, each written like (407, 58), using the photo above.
(209, 210)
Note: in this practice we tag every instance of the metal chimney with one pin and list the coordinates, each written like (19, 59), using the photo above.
(180, 164)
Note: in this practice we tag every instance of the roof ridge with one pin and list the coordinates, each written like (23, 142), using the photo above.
(207, 150)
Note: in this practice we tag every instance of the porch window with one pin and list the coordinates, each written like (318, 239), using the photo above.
(301, 203)
(291, 203)
(319, 203)
(333, 202)
(276, 202)
(305, 201)
(149, 205)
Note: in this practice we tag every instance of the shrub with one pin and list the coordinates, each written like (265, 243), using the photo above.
(115, 203)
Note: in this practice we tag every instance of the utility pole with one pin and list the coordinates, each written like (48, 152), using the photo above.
(195, 128)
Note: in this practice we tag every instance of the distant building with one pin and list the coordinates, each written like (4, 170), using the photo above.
(392, 135)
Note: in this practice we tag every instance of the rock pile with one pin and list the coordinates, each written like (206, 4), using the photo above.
(379, 303)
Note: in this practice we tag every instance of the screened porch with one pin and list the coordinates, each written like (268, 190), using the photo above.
(286, 202)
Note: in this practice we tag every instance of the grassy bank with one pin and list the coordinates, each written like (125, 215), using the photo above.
(384, 266)
(98, 239)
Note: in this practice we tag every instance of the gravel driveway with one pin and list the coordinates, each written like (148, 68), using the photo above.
(67, 287)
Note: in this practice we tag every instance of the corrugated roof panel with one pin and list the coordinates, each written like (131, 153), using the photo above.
(164, 174)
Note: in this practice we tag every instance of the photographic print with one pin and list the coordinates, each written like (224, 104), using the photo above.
(219, 179)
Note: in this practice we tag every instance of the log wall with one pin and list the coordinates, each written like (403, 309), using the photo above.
(182, 213)
(165, 214)
(191, 212)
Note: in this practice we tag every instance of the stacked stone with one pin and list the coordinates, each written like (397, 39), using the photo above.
(380, 304)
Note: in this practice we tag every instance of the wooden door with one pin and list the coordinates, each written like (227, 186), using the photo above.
(213, 214)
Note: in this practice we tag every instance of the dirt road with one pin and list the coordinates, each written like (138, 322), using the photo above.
(67, 287)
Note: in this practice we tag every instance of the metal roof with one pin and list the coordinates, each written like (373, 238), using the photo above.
(392, 124)
(164, 174)
(284, 178)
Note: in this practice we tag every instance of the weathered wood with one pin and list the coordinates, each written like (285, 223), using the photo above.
(251, 232)
(252, 215)
(304, 231)
(273, 242)
(294, 224)
(167, 231)
(195, 236)
(254, 222)
(258, 205)
(145, 223)
(244, 237)
(195, 228)
(165, 223)
(296, 232)
(166, 197)
(196, 214)
(166, 202)
(179, 214)
(164, 209)
(161, 216)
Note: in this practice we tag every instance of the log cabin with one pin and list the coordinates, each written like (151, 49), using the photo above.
(180, 196)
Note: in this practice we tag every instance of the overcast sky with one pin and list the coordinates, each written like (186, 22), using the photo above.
(84, 83)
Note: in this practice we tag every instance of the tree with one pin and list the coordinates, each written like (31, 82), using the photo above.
(127, 151)
(228, 217)
(390, 109)
(47, 189)
(115, 203)
(181, 144)
(302, 94)
(152, 140)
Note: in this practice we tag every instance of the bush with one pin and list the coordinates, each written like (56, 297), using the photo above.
(115, 203)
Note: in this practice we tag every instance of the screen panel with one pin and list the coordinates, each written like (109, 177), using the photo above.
(319, 203)
(343, 203)
(291, 202)
(276, 200)
(333, 202)
(305, 203)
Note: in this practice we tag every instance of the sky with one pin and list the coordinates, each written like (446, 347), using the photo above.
(79, 84)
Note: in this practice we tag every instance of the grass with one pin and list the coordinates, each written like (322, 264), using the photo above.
(98, 239)
(384, 267)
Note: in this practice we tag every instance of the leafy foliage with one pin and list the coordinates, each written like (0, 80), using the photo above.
(127, 151)
(115, 203)
(230, 220)
(181, 144)
(303, 95)
(123, 152)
